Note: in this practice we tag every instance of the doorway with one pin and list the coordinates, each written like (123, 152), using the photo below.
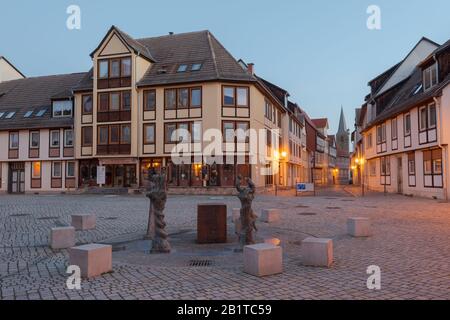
(16, 177)
(120, 176)
(399, 175)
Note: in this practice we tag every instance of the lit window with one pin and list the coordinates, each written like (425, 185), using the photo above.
(196, 67)
(182, 68)
(36, 170)
(28, 114)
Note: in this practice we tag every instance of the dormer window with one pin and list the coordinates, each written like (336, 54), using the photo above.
(196, 66)
(62, 109)
(430, 77)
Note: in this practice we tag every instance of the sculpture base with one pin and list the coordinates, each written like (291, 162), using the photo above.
(160, 246)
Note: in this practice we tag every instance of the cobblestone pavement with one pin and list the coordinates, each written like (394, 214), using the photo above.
(411, 245)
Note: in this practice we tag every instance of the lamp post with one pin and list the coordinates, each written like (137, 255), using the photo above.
(359, 162)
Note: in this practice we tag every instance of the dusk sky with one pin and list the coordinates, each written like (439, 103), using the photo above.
(320, 51)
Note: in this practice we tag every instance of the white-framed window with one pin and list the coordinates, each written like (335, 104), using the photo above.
(431, 116)
(34, 139)
(394, 132)
(70, 169)
(427, 117)
(14, 140)
(407, 124)
(56, 169)
(68, 138)
(54, 139)
(430, 77)
(62, 108)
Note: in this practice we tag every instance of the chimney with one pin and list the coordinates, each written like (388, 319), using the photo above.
(251, 68)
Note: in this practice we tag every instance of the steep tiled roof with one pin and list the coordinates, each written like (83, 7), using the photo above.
(188, 48)
(35, 94)
(320, 123)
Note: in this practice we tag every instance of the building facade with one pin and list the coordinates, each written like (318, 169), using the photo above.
(404, 128)
(126, 114)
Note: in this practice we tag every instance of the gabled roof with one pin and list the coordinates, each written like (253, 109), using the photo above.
(134, 45)
(12, 66)
(188, 48)
(35, 94)
(320, 123)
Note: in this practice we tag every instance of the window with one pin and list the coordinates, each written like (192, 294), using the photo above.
(228, 130)
(182, 68)
(423, 118)
(241, 131)
(196, 67)
(394, 131)
(126, 100)
(70, 169)
(385, 166)
(432, 168)
(36, 170)
(242, 97)
(103, 71)
(114, 134)
(34, 139)
(183, 98)
(183, 133)
(411, 164)
(427, 117)
(149, 133)
(169, 130)
(103, 102)
(103, 135)
(369, 141)
(170, 99)
(68, 138)
(125, 135)
(56, 169)
(372, 168)
(1, 114)
(86, 136)
(87, 104)
(149, 100)
(14, 140)
(10, 115)
(54, 139)
(114, 103)
(28, 114)
(41, 113)
(115, 68)
(228, 96)
(196, 97)
(62, 109)
(126, 67)
(431, 116)
(407, 124)
(430, 77)
(268, 111)
(197, 132)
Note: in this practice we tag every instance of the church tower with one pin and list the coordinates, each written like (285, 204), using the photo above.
(343, 150)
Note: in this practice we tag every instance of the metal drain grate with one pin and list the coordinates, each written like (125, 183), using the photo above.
(200, 263)
(110, 218)
(302, 206)
(47, 218)
(307, 214)
(333, 208)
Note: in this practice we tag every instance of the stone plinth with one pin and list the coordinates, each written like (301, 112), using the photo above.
(263, 259)
(359, 227)
(62, 237)
(317, 252)
(93, 259)
(270, 215)
(211, 223)
(83, 221)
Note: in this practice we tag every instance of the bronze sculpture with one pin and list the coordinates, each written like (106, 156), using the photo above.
(248, 216)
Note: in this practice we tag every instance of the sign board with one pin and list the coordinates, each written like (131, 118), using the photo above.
(101, 175)
(305, 187)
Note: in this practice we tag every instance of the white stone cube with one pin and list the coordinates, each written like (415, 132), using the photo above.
(93, 259)
(273, 241)
(263, 259)
(359, 227)
(83, 221)
(62, 237)
(317, 252)
(270, 215)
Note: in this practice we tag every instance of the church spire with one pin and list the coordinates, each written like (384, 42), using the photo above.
(342, 123)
